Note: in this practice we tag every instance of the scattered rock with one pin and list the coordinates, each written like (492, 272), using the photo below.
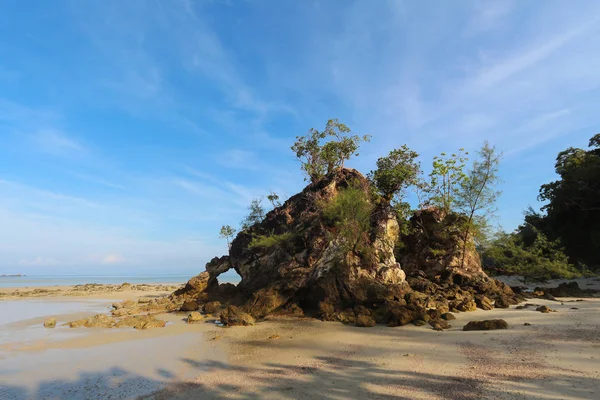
(419, 322)
(50, 323)
(574, 308)
(232, 316)
(273, 337)
(484, 302)
(140, 322)
(486, 325)
(194, 317)
(527, 324)
(520, 307)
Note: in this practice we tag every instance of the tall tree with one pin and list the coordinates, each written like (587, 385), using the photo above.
(573, 203)
(445, 180)
(477, 194)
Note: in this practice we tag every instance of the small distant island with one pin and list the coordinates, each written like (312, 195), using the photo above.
(12, 275)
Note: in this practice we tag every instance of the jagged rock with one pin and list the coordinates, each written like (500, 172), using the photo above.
(190, 305)
(364, 321)
(486, 325)
(484, 302)
(419, 322)
(194, 317)
(194, 286)
(50, 323)
(211, 307)
(232, 316)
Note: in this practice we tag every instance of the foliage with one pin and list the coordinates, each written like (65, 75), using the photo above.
(527, 252)
(267, 241)
(227, 232)
(274, 199)
(445, 180)
(395, 172)
(476, 196)
(573, 208)
(350, 212)
(256, 216)
(319, 159)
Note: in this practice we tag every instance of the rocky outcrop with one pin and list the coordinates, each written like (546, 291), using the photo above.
(306, 264)
(296, 262)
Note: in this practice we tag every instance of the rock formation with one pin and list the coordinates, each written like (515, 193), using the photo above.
(296, 262)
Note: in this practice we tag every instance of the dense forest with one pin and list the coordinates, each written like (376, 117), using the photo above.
(563, 239)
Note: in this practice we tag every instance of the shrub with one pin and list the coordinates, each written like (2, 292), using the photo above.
(267, 241)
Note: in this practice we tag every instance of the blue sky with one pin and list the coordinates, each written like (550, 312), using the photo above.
(132, 130)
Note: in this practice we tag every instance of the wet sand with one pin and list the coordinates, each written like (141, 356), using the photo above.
(558, 356)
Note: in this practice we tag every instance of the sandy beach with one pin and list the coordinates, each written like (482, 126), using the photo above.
(556, 356)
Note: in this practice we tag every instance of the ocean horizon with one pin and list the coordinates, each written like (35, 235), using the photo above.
(113, 279)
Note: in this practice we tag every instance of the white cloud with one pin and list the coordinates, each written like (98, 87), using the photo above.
(56, 142)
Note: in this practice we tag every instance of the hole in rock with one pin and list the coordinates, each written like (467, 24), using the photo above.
(230, 276)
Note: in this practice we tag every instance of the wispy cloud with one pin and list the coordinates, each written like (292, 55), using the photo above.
(56, 142)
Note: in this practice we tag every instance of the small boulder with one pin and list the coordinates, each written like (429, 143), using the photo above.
(544, 309)
(233, 316)
(448, 316)
(189, 306)
(364, 321)
(50, 323)
(486, 325)
(211, 307)
(419, 322)
(194, 317)
(526, 324)
(326, 311)
(440, 324)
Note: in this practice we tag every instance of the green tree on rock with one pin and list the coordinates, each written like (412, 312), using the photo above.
(319, 159)
(227, 232)
(395, 172)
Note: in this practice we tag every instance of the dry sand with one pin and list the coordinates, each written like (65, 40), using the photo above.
(557, 357)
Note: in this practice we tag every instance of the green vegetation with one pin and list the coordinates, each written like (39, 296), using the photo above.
(395, 173)
(564, 242)
(319, 159)
(274, 199)
(256, 216)
(529, 253)
(350, 213)
(227, 232)
(267, 241)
